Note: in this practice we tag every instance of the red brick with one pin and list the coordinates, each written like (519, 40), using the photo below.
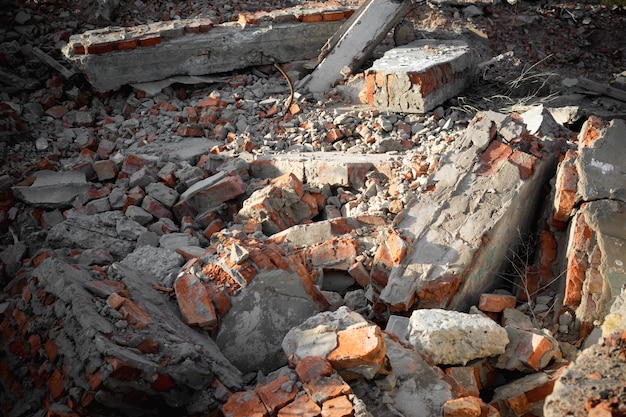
(135, 315)
(214, 227)
(190, 131)
(56, 385)
(336, 253)
(359, 272)
(311, 367)
(131, 164)
(591, 134)
(163, 383)
(360, 347)
(194, 302)
(155, 208)
(122, 371)
(548, 251)
(57, 111)
(463, 407)
(220, 300)
(310, 18)
(302, 406)
(277, 394)
(491, 158)
(325, 388)
(524, 162)
(566, 187)
(338, 407)
(51, 350)
(105, 170)
(518, 404)
(244, 404)
(289, 181)
(148, 346)
(150, 40)
(333, 16)
(496, 303)
(574, 278)
(127, 44)
(18, 349)
(100, 48)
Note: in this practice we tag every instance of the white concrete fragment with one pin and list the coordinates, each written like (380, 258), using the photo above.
(453, 338)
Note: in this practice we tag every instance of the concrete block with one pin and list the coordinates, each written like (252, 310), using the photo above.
(434, 332)
(419, 76)
(356, 39)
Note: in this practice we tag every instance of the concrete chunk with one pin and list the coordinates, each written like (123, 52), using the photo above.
(53, 189)
(419, 76)
(453, 338)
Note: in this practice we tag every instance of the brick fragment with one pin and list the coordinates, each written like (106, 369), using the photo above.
(338, 407)
(467, 377)
(244, 403)
(311, 367)
(277, 394)
(122, 371)
(525, 163)
(324, 388)
(194, 302)
(496, 303)
(155, 208)
(56, 384)
(463, 407)
(302, 406)
(493, 156)
(566, 185)
(361, 351)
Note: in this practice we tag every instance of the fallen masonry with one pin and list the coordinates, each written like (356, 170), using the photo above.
(251, 291)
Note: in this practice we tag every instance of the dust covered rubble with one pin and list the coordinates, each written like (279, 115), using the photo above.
(178, 235)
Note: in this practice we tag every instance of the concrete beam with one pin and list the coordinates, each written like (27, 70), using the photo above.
(114, 56)
(456, 258)
(355, 41)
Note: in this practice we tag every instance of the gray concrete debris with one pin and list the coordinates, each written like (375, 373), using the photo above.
(356, 39)
(175, 49)
(419, 76)
(53, 189)
(317, 335)
(91, 231)
(158, 263)
(252, 332)
(438, 334)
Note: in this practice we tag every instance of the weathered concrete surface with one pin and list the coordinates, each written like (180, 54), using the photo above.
(111, 337)
(112, 57)
(355, 40)
(456, 258)
(53, 189)
(419, 76)
(437, 334)
(252, 331)
(594, 383)
(320, 168)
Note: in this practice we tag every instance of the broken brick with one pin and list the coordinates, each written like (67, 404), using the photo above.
(496, 303)
(277, 394)
(311, 367)
(244, 403)
(302, 406)
(194, 302)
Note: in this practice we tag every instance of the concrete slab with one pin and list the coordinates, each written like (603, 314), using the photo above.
(456, 258)
(114, 56)
(321, 168)
(53, 189)
(419, 76)
(252, 331)
(356, 39)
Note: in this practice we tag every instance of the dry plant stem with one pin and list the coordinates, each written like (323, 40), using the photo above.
(291, 92)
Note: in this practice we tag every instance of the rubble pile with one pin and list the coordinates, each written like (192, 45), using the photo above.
(211, 251)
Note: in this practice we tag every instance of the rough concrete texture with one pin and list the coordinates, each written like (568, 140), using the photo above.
(252, 331)
(454, 259)
(594, 383)
(114, 56)
(355, 40)
(52, 189)
(419, 76)
(113, 336)
(455, 338)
